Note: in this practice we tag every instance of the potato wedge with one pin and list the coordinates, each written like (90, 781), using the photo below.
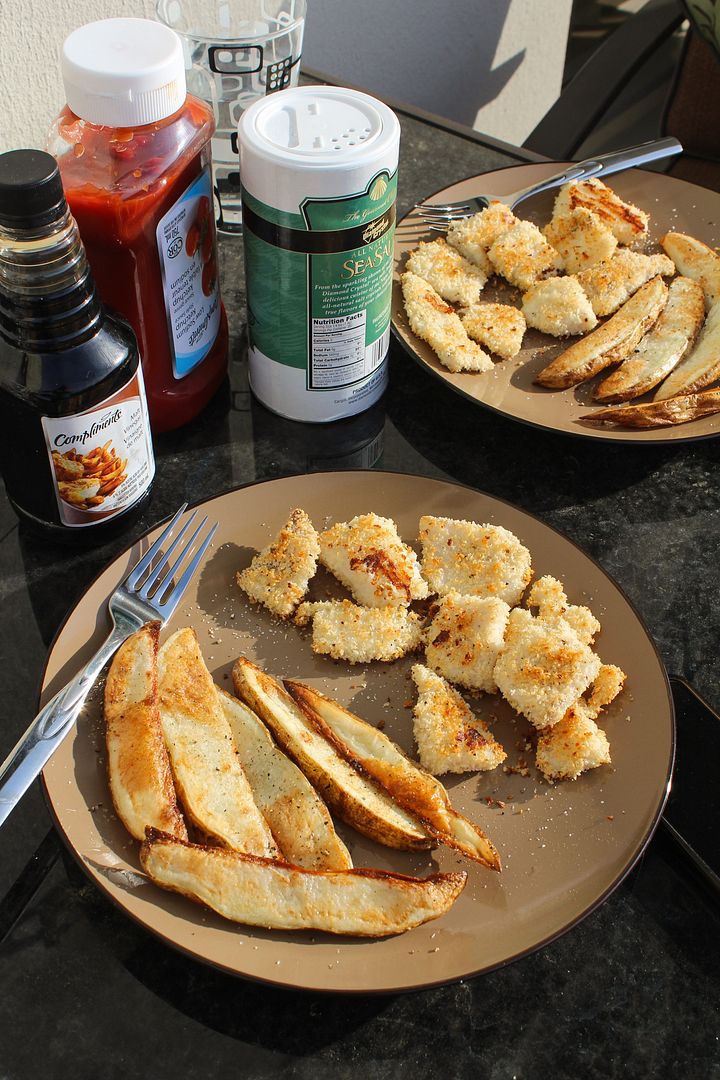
(298, 818)
(701, 367)
(655, 414)
(138, 767)
(663, 348)
(610, 343)
(260, 892)
(697, 261)
(410, 785)
(358, 801)
(210, 780)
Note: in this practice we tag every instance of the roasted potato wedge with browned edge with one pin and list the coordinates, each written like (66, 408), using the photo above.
(138, 767)
(610, 343)
(209, 778)
(655, 414)
(298, 818)
(261, 892)
(374, 754)
(357, 800)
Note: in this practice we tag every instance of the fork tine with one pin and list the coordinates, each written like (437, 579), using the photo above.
(141, 566)
(168, 606)
(441, 219)
(164, 582)
(441, 206)
(155, 572)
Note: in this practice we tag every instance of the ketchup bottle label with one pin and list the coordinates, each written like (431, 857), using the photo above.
(188, 257)
(101, 460)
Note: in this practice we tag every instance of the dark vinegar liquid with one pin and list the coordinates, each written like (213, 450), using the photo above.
(57, 384)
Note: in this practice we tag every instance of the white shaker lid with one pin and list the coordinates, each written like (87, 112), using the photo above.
(123, 72)
(319, 127)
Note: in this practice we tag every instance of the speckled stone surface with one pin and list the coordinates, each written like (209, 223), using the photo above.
(630, 992)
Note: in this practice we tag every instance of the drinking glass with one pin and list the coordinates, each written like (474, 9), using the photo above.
(236, 51)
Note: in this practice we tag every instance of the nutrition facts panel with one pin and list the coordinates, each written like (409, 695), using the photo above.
(338, 351)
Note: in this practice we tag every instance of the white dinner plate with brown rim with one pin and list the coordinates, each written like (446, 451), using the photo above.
(564, 848)
(509, 388)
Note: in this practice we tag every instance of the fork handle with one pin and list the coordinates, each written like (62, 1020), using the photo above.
(29, 756)
(605, 163)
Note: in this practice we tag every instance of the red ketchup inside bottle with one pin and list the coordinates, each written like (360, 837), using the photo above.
(142, 200)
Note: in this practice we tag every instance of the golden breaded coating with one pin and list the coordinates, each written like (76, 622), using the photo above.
(558, 306)
(346, 631)
(609, 284)
(437, 323)
(278, 576)
(523, 256)
(499, 327)
(367, 555)
(626, 222)
(580, 238)
(476, 560)
(572, 746)
(543, 668)
(465, 637)
(474, 236)
(548, 596)
(608, 684)
(450, 737)
(697, 261)
(451, 275)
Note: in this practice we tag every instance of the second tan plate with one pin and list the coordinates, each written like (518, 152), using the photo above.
(564, 848)
(509, 388)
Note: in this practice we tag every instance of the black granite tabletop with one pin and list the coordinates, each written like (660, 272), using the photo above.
(632, 991)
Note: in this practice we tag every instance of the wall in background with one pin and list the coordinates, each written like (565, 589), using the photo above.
(494, 64)
(31, 36)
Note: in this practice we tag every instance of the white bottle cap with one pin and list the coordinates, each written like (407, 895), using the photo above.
(316, 141)
(123, 72)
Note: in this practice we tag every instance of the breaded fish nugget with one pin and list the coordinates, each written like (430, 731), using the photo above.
(499, 327)
(626, 222)
(437, 323)
(359, 635)
(450, 737)
(544, 667)
(609, 284)
(278, 576)
(368, 556)
(580, 238)
(476, 560)
(558, 306)
(451, 275)
(474, 236)
(465, 637)
(523, 256)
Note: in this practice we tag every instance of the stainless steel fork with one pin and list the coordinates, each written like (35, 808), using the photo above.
(148, 592)
(439, 216)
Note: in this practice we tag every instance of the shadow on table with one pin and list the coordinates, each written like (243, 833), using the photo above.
(540, 470)
(288, 1021)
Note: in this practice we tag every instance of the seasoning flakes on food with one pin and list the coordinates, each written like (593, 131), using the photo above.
(367, 555)
(450, 737)
(278, 576)
(473, 559)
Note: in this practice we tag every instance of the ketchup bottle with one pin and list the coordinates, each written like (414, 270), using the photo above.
(134, 155)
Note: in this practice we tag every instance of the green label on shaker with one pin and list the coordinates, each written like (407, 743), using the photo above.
(319, 283)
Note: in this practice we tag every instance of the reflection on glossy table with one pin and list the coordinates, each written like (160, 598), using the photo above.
(631, 991)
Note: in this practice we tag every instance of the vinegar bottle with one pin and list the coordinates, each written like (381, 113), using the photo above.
(75, 451)
(134, 154)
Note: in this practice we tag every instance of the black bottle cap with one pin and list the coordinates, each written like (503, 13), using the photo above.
(31, 191)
